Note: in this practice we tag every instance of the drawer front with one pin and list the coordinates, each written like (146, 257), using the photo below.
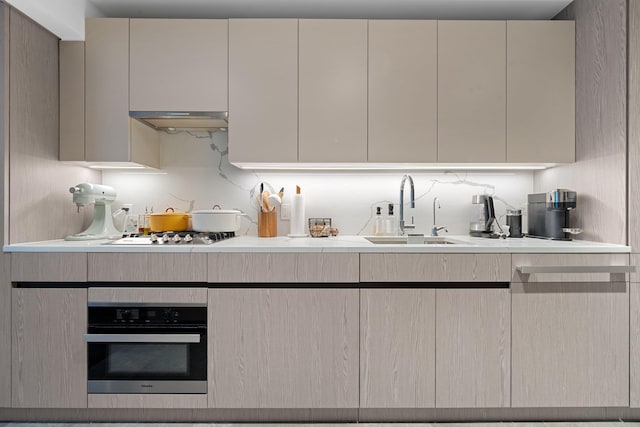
(147, 267)
(149, 295)
(283, 268)
(142, 401)
(434, 267)
(48, 267)
(568, 267)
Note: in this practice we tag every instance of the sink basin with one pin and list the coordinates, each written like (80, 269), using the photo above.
(402, 240)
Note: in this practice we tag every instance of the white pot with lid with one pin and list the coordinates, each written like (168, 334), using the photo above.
(216, 220)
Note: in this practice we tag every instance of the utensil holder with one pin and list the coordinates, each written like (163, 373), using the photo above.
(267, 224)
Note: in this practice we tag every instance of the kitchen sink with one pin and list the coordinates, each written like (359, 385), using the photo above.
(417, 240)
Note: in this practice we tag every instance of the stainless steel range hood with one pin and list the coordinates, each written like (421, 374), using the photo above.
(171, 121)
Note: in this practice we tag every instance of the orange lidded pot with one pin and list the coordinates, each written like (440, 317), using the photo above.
(169, 220)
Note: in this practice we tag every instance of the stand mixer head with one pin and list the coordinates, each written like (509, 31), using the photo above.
(102, 196)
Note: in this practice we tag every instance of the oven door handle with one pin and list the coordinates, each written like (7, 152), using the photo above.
(143, 338)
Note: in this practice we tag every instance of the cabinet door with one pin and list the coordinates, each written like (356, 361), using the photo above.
(402, 91)
(110, 135)
(471, 91)
(107, 89)
(283, 348)
(71, 101)
(397, 354)
(49, 357)
(540, 91)
(473, 348)
(263, 90)
(333, 91)
(570, 344)
(178, 65)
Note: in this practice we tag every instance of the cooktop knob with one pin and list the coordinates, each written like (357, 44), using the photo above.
(176, 238)
(153, 237)
(165, 238)
(188, 238)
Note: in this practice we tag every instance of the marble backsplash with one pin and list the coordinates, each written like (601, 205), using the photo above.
(196, 175)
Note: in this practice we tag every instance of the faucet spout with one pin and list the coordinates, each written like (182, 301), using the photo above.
(412, 203)
(435, 228)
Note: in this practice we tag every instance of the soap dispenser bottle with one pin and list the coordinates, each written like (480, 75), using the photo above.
(390, 223)
(378, 225)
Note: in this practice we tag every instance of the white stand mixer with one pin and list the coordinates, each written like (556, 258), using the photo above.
(101, 196)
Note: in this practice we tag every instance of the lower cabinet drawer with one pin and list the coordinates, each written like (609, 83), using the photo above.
(250, 267)
(435, 267)
(141, 401)
(147, 267)
(48, 267)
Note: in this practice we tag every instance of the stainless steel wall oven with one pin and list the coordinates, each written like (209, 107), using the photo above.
(147, 348)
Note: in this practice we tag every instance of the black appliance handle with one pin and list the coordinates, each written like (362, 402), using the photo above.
(491, 213)
(143, 338)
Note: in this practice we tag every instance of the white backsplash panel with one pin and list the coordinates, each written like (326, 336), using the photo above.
(197, 175)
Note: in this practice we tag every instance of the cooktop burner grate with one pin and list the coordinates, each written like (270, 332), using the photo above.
(174, 238)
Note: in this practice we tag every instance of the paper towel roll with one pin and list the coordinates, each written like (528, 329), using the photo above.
(297, 215)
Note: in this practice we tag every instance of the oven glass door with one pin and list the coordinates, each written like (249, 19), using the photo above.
(147, 360)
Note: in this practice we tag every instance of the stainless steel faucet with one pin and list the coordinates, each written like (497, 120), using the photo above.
(412, 203)
(435, 228)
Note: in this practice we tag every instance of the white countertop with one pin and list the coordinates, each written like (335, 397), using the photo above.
(463, 244)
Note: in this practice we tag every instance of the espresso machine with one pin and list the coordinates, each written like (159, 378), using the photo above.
(549, 214)
(102, 196)
(482, 216)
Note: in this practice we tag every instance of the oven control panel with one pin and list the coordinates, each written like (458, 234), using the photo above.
(150, 315)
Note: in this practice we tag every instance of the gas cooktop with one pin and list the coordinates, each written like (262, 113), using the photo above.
(172, 238)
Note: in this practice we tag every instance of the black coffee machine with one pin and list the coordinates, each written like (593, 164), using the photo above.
(549, 214)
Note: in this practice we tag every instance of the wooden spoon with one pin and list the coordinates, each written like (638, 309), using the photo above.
(266, 206)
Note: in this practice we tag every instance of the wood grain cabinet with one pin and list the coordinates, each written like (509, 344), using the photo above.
(332, 90)
(110, 135)
(540, 91)
(49, 357)
(263, 90)
(471, 91)
(283, 348)
(5, 330)
(403, 90)
(570, 338)
(473, 348)
(178, 65)
(397, 348)
(147, 267)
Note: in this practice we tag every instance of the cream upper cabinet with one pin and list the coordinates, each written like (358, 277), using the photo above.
(471, 91)
(332, 91)
(402, 91)
(110, 135)
(540, 91)
(263, 90)
(178, 65)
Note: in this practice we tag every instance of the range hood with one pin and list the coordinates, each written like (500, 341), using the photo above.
(171, 121)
